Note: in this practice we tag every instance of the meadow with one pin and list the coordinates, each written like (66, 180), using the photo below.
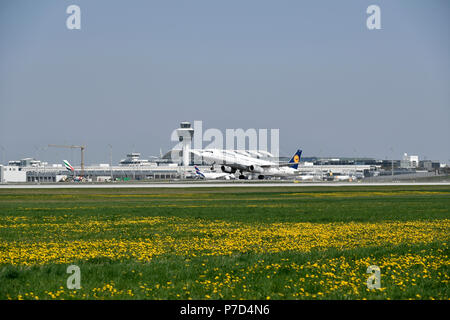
(226, 243)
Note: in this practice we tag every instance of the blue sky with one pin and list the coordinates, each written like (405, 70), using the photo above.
(310, 68)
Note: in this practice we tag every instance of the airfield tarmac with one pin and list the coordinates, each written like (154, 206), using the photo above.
(215, 184)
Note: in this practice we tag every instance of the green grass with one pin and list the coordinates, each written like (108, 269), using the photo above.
(416, 270)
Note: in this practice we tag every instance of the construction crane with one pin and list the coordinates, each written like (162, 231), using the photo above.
(73, 147)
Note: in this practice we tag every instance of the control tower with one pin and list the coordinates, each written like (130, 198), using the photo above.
(185, 134)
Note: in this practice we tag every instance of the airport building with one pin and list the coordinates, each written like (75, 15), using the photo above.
(12, 174)
(409, 162)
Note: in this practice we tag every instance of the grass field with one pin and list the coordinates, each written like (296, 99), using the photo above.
(229, 243)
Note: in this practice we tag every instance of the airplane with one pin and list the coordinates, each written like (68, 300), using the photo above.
(344, 178)
(213, 175)
(72, 169)
(68, 166)
(236, 161)
(306, 177)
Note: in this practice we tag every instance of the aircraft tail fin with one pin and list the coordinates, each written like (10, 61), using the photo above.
(68, 166)
(198, 172)
(295, 160)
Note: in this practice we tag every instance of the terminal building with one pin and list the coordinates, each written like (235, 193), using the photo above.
(98, 173)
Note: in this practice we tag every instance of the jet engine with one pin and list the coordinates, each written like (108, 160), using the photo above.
(227, 169)
(256, 169)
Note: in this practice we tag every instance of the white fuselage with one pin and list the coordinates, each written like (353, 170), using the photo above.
(216, 176)
(245, 163)
(280, 172)
(344, 178)
(306, 177)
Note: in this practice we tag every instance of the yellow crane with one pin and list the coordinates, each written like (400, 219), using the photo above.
(73, 147)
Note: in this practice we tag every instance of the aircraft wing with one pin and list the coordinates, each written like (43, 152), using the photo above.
(238, 163)
(281, 164)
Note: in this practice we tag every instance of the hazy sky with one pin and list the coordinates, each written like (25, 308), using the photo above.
(310, 68)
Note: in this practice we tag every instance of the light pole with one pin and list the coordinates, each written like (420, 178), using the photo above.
(110, 161)
(3, 154)
(392, 162)
(36, 155)
(1, 168)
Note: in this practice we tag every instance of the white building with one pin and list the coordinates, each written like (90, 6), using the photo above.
(12, 174)
(409, 162)
(133, 159)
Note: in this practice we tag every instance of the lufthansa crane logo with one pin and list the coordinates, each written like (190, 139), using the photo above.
(296, 158)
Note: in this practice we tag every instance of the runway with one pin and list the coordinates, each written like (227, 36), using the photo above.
(212, 185)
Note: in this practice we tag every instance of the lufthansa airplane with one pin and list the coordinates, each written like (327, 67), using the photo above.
(213, 175)
(231, 162)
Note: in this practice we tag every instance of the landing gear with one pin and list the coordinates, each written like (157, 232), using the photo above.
(241, 177)
(260, 177)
